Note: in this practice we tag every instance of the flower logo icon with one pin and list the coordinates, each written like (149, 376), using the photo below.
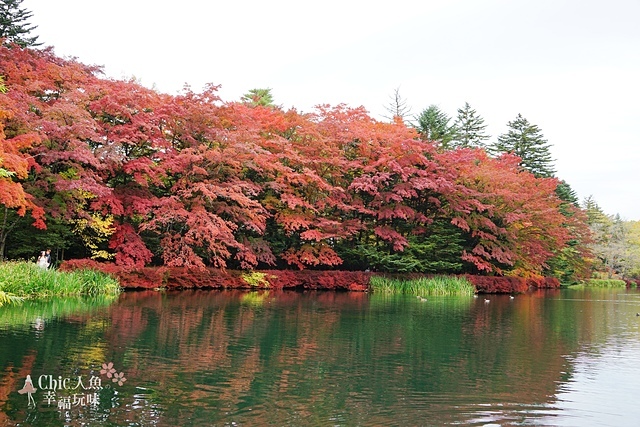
(111, 372)
(119, 378)
(107, 368)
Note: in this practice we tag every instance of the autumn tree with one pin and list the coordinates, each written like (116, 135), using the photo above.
(613, 245)
(574, 261)
(512, 219)
(14, 25)
(633, 253)
(129, 174)
(469, 129)
(16, 137)
(526, 141)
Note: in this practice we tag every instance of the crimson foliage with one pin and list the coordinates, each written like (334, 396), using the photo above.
(195, 182)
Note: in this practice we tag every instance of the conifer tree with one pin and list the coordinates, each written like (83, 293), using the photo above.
(14, 26)
(526, 141)
(258, 97)
(469, 127)
(433, 125)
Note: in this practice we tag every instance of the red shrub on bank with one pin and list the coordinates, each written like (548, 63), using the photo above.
(547, 283)
(498, 284)
(324, 280)
(185, 278)
(510, 284)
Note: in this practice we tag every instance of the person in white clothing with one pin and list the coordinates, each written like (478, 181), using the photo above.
(42, 261)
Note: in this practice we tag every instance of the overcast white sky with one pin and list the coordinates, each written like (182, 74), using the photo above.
(569, 66)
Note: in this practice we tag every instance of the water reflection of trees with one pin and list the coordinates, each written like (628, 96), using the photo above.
(284, 357)
(300, 348)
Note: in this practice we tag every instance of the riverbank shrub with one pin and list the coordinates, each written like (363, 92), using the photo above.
(25, 279)
(511, 284)
(256, 279)
(215, 278)
(436, 285)
(606, 283)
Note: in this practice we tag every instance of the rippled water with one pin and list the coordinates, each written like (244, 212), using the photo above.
(556, 358)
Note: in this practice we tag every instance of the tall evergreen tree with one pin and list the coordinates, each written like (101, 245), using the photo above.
(14, 25)
(595, 214)
(469, 128)
(433, 124)
(568, 196)
(526, 141)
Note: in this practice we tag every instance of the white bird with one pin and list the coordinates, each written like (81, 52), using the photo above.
(486, 301)
(511, 297)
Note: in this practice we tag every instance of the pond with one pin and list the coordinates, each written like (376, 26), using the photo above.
(200, 358)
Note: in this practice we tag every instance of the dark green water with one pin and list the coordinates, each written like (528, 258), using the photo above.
(557, 358)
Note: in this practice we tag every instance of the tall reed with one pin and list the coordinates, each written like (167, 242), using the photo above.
(436, 285)
(26, 279)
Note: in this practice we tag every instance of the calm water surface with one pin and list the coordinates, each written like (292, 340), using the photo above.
(200, 358)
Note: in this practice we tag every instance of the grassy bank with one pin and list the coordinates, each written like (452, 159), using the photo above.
(606, 283)
(437, 285)
(19, 280)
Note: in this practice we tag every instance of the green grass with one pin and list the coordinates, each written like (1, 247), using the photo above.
(605, 283)
(27, 280)
(437, 285)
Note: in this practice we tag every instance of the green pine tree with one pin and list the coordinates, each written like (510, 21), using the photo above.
(469, 128)
(14, 26)
(433, 125)
(527, 142)
(258, 97)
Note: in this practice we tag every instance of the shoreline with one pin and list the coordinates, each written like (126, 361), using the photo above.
(176, 278)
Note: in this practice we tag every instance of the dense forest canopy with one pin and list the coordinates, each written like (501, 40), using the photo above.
(116, 171)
